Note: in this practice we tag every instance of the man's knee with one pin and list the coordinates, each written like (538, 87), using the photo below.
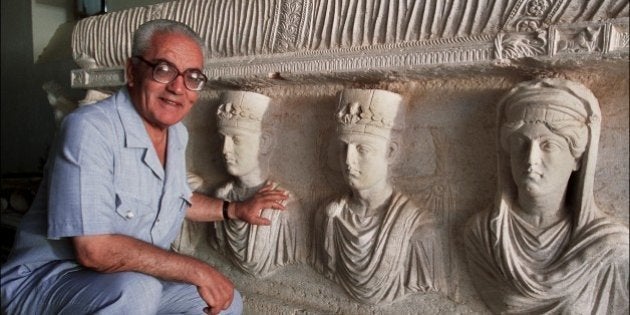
(237, 305)
(134, 287)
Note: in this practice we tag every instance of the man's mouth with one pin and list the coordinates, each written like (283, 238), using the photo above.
(171, 102)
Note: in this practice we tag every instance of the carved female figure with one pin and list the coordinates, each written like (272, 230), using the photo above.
(545, 246)
(374, 242)
(257, 249)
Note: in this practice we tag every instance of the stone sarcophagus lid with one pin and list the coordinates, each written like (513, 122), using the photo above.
(271, 40)
(385, 121)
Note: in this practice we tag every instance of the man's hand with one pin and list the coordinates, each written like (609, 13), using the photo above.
(267, 197)
(217, 291)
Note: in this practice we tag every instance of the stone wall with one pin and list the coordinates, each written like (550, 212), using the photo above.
(450, 60)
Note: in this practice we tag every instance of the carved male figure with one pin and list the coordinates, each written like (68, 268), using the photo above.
(545, 247)
(374, 242)
(258, 250)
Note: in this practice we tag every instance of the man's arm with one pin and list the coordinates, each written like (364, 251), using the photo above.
(206, 208)
(117, 253)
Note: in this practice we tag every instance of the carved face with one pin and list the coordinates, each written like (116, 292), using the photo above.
(364, 159)
(241, 149)
(541, 160)
(162, 105)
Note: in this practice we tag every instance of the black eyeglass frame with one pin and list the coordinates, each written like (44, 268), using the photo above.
(154, 65)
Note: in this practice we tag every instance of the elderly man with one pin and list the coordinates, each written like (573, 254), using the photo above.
(375, 242)
(114, 196)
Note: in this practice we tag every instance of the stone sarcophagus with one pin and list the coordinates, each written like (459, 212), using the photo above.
(414, 183)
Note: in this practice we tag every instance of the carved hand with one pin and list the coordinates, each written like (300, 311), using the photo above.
(267, 197)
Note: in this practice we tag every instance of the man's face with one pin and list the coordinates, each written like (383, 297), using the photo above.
(240, 150)
(541, 160)
(364, 159)
(162, 105)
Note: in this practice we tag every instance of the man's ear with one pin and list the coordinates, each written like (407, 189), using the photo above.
(265, 142)
(129, 72)
(393, 150)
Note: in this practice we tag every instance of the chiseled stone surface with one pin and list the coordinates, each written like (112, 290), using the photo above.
(451, 62)
(257, 250)
(374, 241)
(261, 41)
(545, 246)
(447, 162)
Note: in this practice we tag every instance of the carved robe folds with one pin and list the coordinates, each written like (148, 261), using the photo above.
(257, 249)
(554, 272)
(379, 258)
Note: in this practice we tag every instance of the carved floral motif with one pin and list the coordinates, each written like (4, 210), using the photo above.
(290, 25)
(537, 7)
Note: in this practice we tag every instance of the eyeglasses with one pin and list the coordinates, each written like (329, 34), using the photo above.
(165, 72)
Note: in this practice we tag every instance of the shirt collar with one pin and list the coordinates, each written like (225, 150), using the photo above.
(135, 134)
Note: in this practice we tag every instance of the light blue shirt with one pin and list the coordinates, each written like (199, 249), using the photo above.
(103, 177)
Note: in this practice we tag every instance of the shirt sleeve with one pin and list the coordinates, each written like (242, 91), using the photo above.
(81, 179)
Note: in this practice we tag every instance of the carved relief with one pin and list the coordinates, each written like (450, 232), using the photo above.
(521, 45)
(372, 22)
(532, 15)
(258, 250)
(529, 15)
(582, 40)
(622, 40)
(619, 38)
(375, 242)
(290, 25)
(97, 77)
(233, 28)
(545, 246)
(269, 39)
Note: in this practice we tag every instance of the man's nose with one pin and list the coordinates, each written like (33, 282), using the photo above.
(177, 86)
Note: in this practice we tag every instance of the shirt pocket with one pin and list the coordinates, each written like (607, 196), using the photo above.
(135, 216)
